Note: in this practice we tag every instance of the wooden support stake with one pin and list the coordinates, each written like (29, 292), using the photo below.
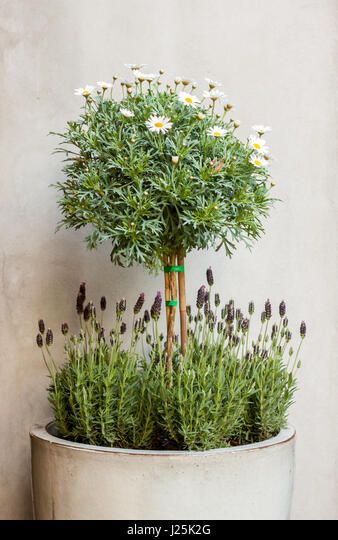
(166, 292)
(172, 311)
(183, 303)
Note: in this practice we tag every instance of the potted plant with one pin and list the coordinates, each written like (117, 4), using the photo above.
(157, 429)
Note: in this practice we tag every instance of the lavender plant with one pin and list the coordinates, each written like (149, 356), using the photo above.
(228, 389)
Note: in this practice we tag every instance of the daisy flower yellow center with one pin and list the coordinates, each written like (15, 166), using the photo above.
(258, 161)
(259, 145)
(216, 131)
(158, 124)
(188, 99)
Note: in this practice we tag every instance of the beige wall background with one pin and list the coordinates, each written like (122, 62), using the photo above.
(276, 59)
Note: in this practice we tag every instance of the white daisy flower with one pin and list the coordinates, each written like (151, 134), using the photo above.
(217, 131)
(188, 99)
(213, 94)
(213, 84)
(158, 124)
(85, 92)
(259, 145)
(104, 85)
(144, 76)
(127, 113)
(258, 161)
(150, 76)
(134, 67)
(260, 129)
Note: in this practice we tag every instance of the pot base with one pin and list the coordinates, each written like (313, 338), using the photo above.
(73, 481)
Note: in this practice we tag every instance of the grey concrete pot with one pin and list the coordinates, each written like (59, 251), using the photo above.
(78, 481)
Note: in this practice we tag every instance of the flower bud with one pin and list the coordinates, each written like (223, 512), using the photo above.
(41, 326)
(239, 314)
(49, 337)
(139, 304)
(231, 313)
(64, 328)
(288, 336)
(245, 325)
(200, 297)
(103, 303)
(175, 159)
(122, 305)
(123, 328)
(137, 325)
(39, 340)
(188, 310)
(268, 310)
(251, 308)
(282, 308)
(206, 308)
(210, 277)
(87, 312)
(274, 330)
(217, 300)
(79, 303)
(155, 310)
(263, 317)
(212, 326)
(302, 330)
(82, 289)
(200, 116)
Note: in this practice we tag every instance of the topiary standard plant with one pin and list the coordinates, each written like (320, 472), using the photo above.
(159, 172)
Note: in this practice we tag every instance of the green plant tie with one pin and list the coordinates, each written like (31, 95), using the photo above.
(171, 303)
(174, 269)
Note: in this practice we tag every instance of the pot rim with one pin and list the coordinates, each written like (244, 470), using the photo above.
(41, 432)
